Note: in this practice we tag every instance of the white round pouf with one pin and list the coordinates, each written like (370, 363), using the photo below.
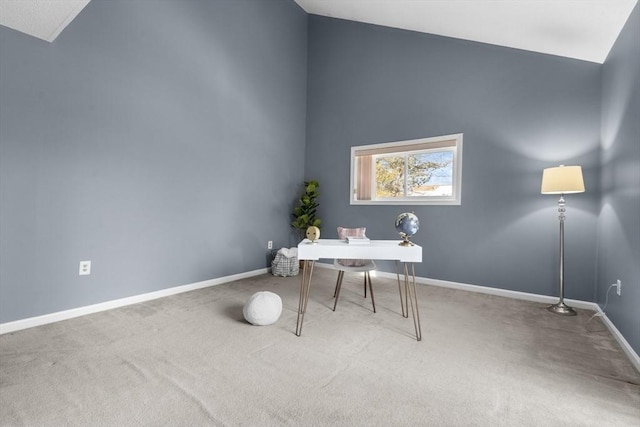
(263, 308)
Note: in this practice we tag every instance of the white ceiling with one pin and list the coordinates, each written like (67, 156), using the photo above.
(44, 19)
(580, 29)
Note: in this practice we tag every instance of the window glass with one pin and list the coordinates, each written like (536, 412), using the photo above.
(423, 171)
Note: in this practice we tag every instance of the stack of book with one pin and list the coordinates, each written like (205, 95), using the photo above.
(357, 240)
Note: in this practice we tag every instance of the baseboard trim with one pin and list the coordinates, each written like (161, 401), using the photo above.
(626, 347)
(545, 299)
(31, 322)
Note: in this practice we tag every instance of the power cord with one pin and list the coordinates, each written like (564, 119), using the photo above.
(606, 301)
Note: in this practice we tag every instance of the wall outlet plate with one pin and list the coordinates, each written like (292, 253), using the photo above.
(85, 268)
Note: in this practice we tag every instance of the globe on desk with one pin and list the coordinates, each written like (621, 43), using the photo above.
(407, 224)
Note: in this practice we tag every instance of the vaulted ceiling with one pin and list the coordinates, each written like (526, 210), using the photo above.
(580, 29)
(44, 19)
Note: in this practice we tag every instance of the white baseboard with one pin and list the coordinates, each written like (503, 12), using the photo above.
(626, 347)
(108, 305)
(486, 290)
(586, 305)
(95, 308)
(545, 299)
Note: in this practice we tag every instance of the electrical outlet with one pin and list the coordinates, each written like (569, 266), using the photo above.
(270, 244)
(619, 286)
(85, 268)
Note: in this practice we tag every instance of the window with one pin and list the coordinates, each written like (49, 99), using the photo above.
(421, 171)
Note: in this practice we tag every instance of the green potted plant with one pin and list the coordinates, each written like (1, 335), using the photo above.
(304, 215)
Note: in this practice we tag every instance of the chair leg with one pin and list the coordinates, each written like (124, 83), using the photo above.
(335, 291)
(338, 287)
(373, 302)
(365, 283)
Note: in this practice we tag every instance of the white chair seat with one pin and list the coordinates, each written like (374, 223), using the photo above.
(368, 266)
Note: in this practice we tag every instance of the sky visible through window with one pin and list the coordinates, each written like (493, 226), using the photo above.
(443, 175)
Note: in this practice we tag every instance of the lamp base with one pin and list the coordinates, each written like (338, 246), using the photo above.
(562, 309)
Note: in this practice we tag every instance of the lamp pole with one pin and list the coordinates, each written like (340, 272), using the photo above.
(561, 307)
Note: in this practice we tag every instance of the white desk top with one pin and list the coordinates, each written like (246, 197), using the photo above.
(376, 249)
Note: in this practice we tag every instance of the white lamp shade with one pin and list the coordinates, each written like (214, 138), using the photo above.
(562, 180)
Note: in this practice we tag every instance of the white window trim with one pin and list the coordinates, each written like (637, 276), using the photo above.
(429, 143)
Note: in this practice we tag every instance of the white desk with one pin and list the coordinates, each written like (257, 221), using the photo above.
(376, 249)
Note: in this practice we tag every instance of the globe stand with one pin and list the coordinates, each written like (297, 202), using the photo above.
(406, 242)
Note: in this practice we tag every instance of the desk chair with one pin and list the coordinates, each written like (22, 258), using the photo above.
(353, 265)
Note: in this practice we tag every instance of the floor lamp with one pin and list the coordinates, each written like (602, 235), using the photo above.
(562, 180)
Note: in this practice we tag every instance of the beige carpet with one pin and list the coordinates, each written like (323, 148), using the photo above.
(191, 360)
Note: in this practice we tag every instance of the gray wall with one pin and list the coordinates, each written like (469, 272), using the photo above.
(619, 219)
(520, 112)
(135, 136)
(163, 141)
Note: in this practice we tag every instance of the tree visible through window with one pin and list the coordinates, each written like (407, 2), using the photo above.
(424, 171)
(414, 175)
